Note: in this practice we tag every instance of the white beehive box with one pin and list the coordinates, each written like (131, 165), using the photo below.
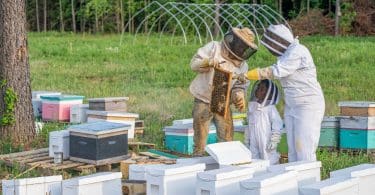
(59, 142)
(357, 122)
(332, 186)
(178, 179)
(138, 171)
(308, 172)
(280, 183)
(78, 113)
(229, 153)
(104, 183)
(114, 116)
(182, 121)
(50, 185)
(208, 160)
(365, 173)
(223, 181)
(37, 94)
(259, 166)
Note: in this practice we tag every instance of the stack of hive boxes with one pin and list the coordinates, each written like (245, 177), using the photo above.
(112, 109)
(329, 132)
(357, 125)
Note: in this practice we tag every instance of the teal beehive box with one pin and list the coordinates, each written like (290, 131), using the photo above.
(357, 139)
(329, 132)
(180, 138)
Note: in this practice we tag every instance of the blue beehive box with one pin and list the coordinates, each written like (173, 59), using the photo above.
(329, 132)
(357, 132)
(180, 138)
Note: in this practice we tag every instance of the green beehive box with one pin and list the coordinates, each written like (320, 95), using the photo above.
(330, 132)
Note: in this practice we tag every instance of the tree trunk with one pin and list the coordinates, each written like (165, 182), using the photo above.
(122, 15)
(61, 18)
(217, 17)
(117, 13)
(83, 22)
(45, 15)
(73, 17)
(281, 7)
(130, 17)
(15, 73)
(96, 21)
(337, 18)
(37, 15)
(308, 5)
(329, 6)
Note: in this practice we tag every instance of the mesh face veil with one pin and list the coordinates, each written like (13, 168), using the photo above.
(265, 92)
(240, 43)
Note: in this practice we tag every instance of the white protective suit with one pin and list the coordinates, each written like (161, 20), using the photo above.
(304, 100)
(262, 121)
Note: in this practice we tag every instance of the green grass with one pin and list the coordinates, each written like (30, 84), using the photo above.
(156, 76)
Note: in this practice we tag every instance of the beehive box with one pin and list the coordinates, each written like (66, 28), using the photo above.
(308, 172)
(99, 142)
(59, 142)
(357, 122)
(280, 183)
(332, 186)
(364, 172)
(114, 116)
(357, 108)
(38, 94)
(180, 138)
(178, 179)
(33, 186)
(57, 107)
(109, 104)
(78, 113)
(104, 183)
(223, 181)
(138, 171)
(329, 132)
(207, 160)
(357, 139)
(37, 108)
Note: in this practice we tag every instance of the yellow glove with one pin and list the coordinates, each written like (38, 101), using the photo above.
(260, 73)
(253, 74)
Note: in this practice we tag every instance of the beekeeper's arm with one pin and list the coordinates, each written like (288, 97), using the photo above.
(202, 60)
(239, 90)
(285, 66)
(276, 129)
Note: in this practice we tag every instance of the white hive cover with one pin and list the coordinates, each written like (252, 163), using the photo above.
(296, 166)
(112, 113)
(225, 173)
(109, 99)
(98, 128)
(360, 104)
(268, 179)
(94, 178)
(331, 185)
(355, 171)
(229, 153)
(175, 169)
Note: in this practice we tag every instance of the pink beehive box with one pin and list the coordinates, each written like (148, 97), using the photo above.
(57, 107)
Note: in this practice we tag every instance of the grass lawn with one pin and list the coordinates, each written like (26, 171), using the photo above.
(156, 76)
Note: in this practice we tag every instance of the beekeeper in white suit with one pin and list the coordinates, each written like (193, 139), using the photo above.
(304, 100)
(264, 122)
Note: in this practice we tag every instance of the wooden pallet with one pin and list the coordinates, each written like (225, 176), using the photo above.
(41, 161)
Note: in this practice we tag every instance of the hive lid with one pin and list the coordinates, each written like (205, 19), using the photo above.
(175, 169)
(183, 121)
(108, 99)
(55, 178)
(112, 113)
(355, 171)
(37, 94)
(331, 185)
(100, 127)
(186, 128)
(94, 178)
(81, 105)
(225, 173)
(229, 153)
(61, 97)
(141, 168)
(268, 179)
(63, 133)
(196, 160)
(331, 119)
(296, 166)
(359, 104)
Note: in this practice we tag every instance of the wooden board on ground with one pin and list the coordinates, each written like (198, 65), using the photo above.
(220, 97)
(135, 146)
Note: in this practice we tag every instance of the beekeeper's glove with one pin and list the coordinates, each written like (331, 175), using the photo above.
(259, 73)
(274, 141)
(238, 99)
(208, 63)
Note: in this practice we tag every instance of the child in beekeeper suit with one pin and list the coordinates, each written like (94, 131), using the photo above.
(265, 124)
